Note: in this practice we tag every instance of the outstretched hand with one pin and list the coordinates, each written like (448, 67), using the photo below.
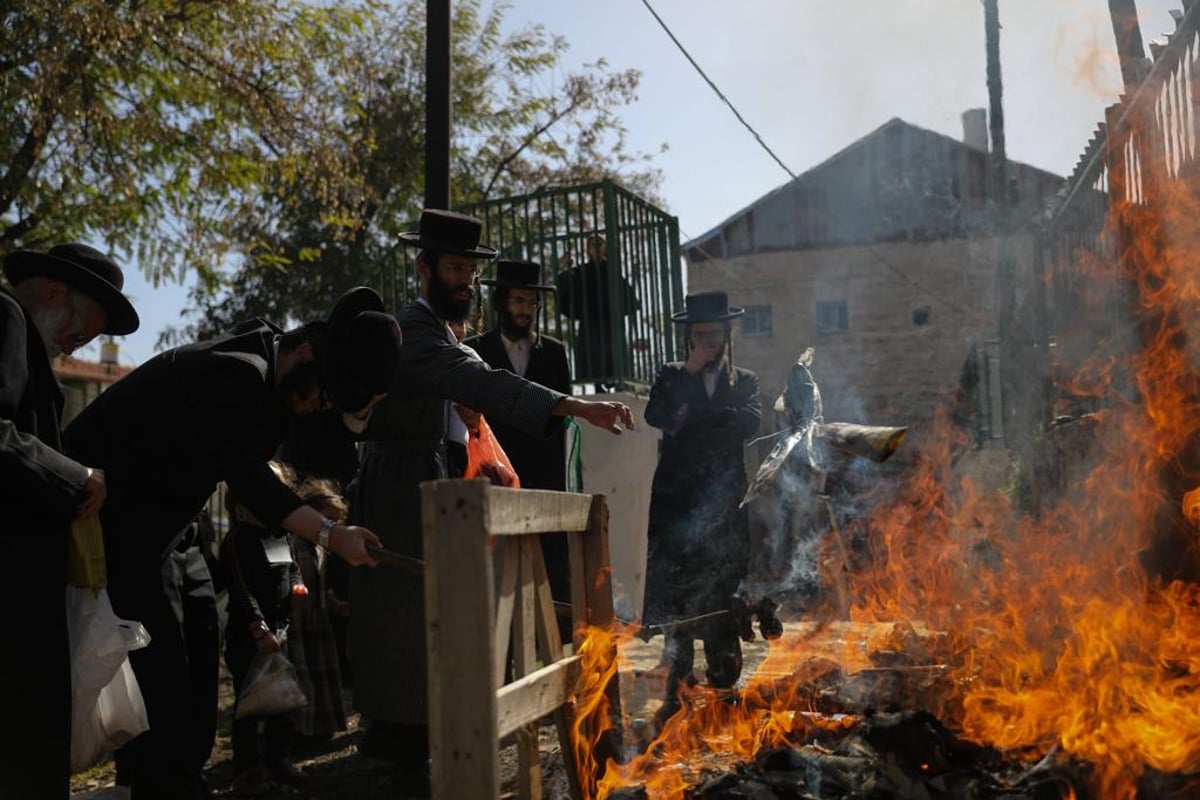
(611, 416)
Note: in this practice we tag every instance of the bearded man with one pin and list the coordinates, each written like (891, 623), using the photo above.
(406, 445)
(60, 301)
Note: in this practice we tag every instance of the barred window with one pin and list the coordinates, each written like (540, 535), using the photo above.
(833, 316)
(757, 322)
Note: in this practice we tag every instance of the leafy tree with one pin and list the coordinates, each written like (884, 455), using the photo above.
(148, 123)
(520, 123)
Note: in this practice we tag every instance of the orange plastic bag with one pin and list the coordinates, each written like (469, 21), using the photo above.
(487, 459)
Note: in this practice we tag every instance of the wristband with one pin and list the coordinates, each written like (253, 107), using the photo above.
(323, 534)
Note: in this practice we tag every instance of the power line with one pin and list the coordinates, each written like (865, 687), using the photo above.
(724, 99)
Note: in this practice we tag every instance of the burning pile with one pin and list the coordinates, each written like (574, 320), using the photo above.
(1020, 657)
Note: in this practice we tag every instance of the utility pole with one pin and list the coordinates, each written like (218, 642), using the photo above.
(437, 104)
(999, 159)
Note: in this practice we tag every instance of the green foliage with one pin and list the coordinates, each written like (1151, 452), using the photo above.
(519, 124)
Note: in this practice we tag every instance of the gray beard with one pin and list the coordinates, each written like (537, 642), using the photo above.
(47, 321)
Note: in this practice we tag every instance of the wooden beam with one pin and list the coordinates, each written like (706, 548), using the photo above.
(545, 620)
(505, 601)
(537, 695)
(458, 633)
(522, 511)
(529, 775)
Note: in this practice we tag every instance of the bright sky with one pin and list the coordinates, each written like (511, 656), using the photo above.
(811, 76)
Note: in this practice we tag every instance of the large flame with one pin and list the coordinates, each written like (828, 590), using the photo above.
(1079, 629)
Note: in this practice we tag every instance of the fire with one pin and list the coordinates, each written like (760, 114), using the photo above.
(1076, 631)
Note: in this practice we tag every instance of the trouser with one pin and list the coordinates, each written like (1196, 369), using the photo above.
(177, 673)
(722, 651)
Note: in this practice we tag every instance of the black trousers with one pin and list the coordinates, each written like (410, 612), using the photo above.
(722, 651)
(249, 749)
(178, 676)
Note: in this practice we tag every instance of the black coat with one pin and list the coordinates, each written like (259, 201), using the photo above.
(44, 487)
(698, 538)
(167, 434)
(405, 446)
(598, 297)
(540, 462)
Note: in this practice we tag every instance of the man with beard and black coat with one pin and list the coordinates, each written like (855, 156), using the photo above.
(166, 435)
(59, 301)
(514, 345)
(406, 445)
(698, 541)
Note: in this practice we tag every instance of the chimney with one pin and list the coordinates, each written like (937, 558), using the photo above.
(975, 130)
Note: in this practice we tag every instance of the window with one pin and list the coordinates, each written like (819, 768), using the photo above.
(833, 317)
(920, 316)
(757, 321)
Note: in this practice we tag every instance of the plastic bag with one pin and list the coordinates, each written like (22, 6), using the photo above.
(106, 704)
(272, 687)
(487, 459)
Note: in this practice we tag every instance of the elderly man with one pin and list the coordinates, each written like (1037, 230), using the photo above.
(166, 435)
(406, 444)
(60, 301)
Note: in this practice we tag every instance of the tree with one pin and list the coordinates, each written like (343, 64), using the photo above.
(149, 123)
(519, 124)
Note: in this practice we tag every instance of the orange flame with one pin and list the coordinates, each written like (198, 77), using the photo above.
(1078, 627)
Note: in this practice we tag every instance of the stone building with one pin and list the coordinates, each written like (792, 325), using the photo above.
(892, 260)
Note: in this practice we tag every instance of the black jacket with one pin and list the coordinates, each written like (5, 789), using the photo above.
(597, 296)
(169, 432)
(540, 462)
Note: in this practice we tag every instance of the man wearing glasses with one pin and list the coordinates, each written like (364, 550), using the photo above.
(406, 445)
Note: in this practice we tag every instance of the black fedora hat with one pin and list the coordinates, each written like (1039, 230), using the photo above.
(86, 269)
(449, 232)
(518, 275)
(362, 350)
(706, 307)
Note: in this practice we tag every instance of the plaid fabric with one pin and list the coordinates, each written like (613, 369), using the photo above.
(313, 649)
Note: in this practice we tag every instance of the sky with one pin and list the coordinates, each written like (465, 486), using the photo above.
(811, 76)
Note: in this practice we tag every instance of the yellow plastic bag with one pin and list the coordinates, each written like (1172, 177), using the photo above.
(85, 555)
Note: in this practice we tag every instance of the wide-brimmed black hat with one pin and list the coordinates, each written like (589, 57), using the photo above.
(362, 350)
(518, 275)
(706, 307)
(86, 269)
(449, 232)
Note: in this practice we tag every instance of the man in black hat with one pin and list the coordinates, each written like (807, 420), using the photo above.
(406, 444)
(59, 301)
(166, 435)
(698, 537)
(516, 346)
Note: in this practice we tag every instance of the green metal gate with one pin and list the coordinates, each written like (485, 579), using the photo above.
(613, 312)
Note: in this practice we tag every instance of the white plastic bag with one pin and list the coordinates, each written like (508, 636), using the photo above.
(106, 705)
(272, 687)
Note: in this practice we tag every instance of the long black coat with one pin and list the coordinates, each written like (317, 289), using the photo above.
(539, 462)
(406, 446)
(44, 487)
(597, 296)
(698, 538)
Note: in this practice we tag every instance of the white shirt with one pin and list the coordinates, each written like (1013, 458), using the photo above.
(518, 352)
(710, 380)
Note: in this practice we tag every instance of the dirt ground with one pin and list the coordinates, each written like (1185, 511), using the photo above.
(336, 771)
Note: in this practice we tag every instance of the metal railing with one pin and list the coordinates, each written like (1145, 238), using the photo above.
(613, 312)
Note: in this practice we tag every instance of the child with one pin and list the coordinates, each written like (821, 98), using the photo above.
(262, 578)
(311, 644)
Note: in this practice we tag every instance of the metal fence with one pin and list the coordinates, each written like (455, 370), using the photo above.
(613, 308)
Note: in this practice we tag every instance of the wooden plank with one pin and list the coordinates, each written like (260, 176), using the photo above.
(529, 774)
(545, 622)
(579, 612)
(459, 615)
(505, 601)
(598, 580)
(536, 695)
(522, 511)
